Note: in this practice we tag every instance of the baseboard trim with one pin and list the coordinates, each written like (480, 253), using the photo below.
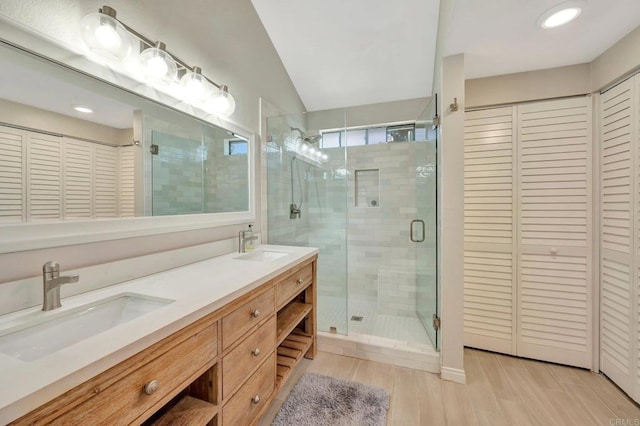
(453, 374)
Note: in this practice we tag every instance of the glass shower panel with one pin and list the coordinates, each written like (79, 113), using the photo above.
(306, 193)
(427, 291)
(381, 205)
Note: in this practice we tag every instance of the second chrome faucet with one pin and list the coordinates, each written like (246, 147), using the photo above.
(51, 282)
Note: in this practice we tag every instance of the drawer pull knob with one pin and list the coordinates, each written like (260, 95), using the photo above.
(299, 281)
(151, 387)
(255, 313)
(255, 399)
(554, 251)
(255, 352)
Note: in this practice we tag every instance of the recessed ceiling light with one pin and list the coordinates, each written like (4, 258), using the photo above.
(561, 14)
(83, 109)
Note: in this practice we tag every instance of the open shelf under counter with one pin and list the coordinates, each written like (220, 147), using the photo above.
(189, 411)
(289, 317)
(290, 352)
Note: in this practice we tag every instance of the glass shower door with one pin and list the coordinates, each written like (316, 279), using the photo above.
(425, 232)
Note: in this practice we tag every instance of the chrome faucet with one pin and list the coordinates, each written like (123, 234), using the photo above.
(51, 282)
(243, 240)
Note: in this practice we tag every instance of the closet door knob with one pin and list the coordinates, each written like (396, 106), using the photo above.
(255, 313)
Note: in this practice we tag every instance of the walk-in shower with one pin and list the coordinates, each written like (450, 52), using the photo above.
(365, 195)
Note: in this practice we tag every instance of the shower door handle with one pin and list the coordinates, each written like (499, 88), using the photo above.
(411, 233)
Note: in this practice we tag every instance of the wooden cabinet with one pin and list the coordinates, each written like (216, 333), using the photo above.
(134, 390)
(189, 378)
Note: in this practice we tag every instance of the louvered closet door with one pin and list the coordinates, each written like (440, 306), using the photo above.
(554, 275)
(126, 177)
(106, 181)
(78, 178)
(44, 178)
(12, 158)
(616, 234)
(488, 230)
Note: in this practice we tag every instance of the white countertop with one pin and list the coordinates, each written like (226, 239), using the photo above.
(198, 289)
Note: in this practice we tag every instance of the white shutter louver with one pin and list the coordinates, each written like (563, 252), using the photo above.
(106, 181)
(11, 175)
(127, 181)
(78, 172)
(44, 193)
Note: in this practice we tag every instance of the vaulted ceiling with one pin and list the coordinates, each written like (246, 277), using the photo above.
(342, 53)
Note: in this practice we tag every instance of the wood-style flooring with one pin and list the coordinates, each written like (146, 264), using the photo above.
(500, 390)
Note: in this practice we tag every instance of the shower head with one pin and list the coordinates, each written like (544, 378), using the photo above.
(308, 139)
(313, 139)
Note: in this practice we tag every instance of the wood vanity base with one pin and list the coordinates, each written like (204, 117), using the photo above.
(224, 369)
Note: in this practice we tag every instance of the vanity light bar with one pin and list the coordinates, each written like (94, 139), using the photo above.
(146, 42)
(108, 37)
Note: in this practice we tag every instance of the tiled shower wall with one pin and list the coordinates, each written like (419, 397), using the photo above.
(192, 177)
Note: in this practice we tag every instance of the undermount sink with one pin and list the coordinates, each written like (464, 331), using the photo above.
(38, 338)
(262, 255)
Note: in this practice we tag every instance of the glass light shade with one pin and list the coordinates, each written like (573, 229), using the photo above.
(106, 36)
(221, 103)
(158, 66)
(196, 88)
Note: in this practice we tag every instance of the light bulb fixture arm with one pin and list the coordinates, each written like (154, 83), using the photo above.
(183, 67)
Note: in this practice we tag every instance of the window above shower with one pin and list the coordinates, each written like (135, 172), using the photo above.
(374, 135)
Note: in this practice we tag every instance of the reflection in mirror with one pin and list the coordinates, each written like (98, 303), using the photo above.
(74, 148)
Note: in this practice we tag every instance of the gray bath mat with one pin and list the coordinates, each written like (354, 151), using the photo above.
(321, 400)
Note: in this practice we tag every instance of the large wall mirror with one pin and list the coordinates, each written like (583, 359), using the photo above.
(82, 160)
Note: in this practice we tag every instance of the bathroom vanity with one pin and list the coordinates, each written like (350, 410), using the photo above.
(217, 353)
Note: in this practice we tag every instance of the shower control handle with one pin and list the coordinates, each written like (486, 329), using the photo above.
(411, 233)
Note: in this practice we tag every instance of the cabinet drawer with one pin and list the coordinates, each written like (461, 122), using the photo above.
(238, 322)
(292, 283)
(247, 403)
(238, 364)
(125, 400)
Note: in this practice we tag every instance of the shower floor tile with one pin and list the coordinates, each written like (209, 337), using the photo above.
(333, 312)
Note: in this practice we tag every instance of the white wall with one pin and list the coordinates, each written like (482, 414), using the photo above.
(620, 60)
(36, 118)
(225, 38)
(451, 202)
(528, 86)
